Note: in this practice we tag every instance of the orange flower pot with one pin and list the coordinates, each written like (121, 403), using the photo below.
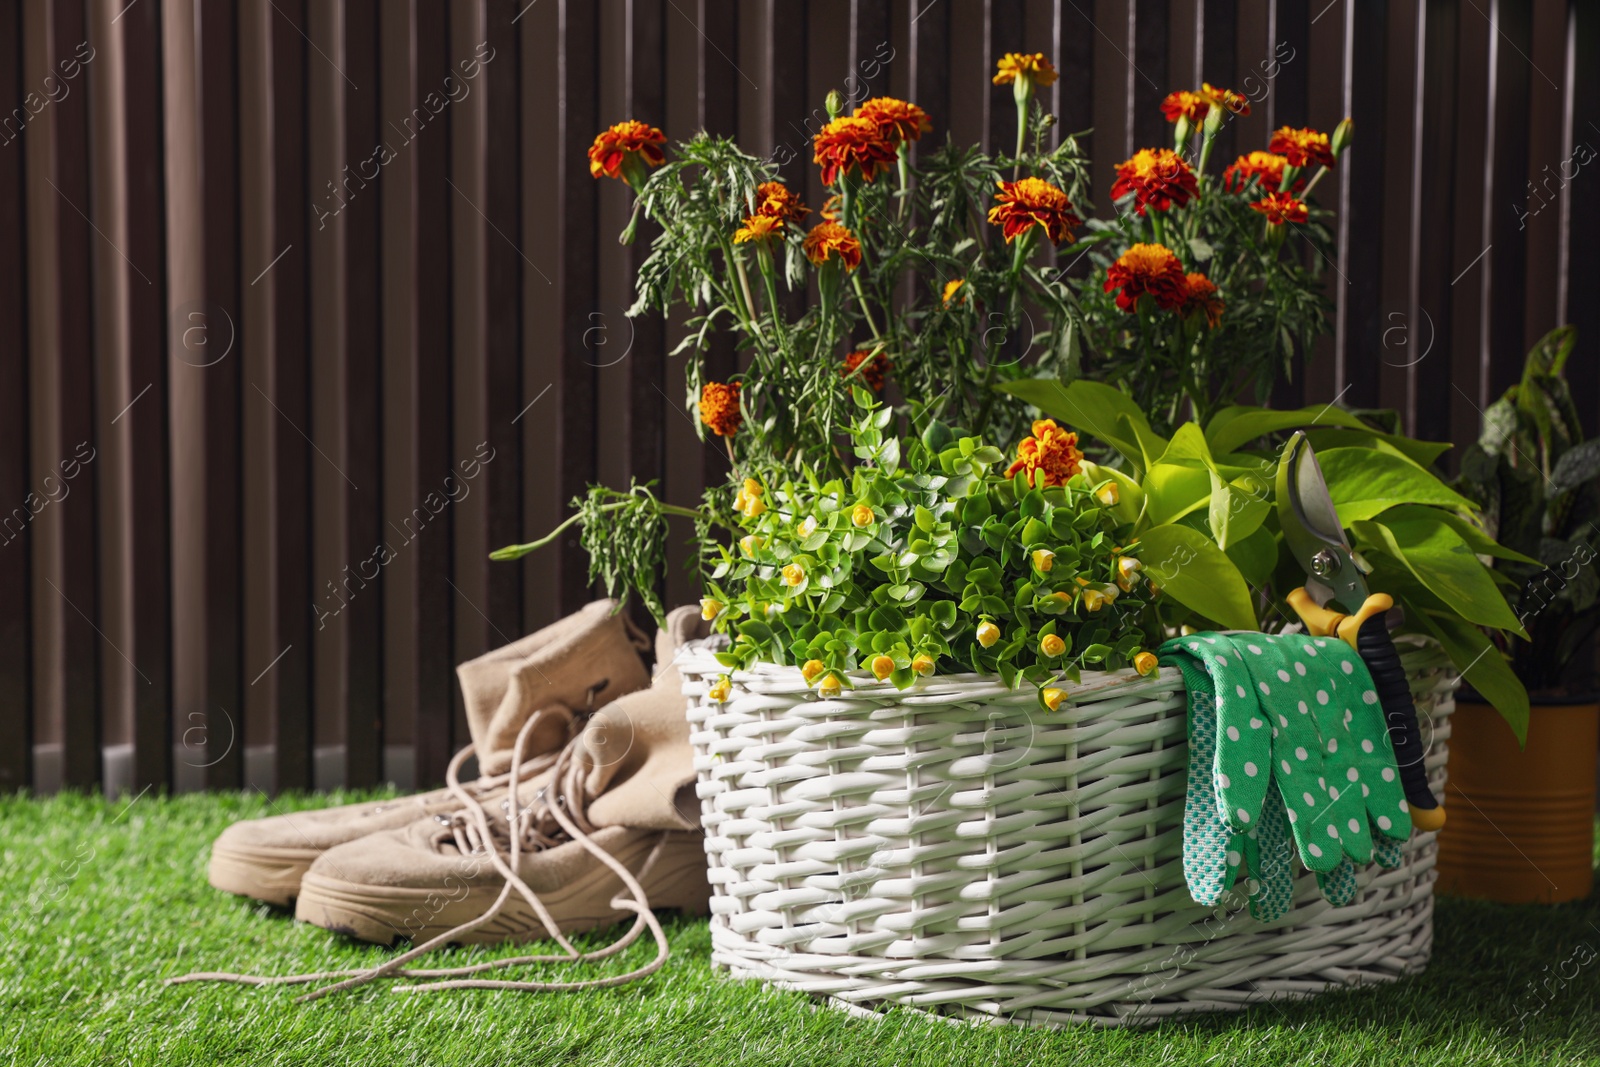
(1521, 826)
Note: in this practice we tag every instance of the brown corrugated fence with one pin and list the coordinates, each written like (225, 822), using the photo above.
(306, 305)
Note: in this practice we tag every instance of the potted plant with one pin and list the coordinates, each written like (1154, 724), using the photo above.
(1202, 505)
(1531, 810)
(938, 736)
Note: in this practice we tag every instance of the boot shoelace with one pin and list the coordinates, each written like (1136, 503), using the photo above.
(561, 800)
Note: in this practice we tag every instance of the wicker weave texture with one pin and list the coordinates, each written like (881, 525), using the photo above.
(956, 848)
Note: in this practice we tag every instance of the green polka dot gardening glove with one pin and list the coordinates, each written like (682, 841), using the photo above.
(1296, 719)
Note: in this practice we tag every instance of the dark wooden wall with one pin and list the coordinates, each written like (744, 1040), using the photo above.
(285, 281)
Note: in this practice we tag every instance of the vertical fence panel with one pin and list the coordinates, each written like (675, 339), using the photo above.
(1216, 57)
(1004, 30)
(1072, 100)
(16, 544)
(283, 400)
(786, 98)
(1358, 325)
(1503, 271)
(930, 64)
(1433, 219)
(1580, 208)
(1148, 23)
(645, 347)
(577, 275)
(717, 87)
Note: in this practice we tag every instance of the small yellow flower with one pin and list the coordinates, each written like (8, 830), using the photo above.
(1108, 495)
(754, 507)
(1128, 573)
(720, 689)
(882, 667)
(953, 295)
(923, 664)
(1053, 698)
(1043, 560)
(861, 516)
(1052, 646)
(710, 609)
(750, 543)
(794, 574)
(1064, 598)
(988, 634)
(1094, 599)
(1145, 663)
(749, 492)
(812, 668)
(807, 527)
(831, 686)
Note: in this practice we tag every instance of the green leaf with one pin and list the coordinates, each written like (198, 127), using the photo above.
(1364, 483)
(1444, 563)
(1233, 427)
(1187, 444)
(1130, 495)
(1190, 568)
(1577, 466)
(1172, 491)
(1423, 453)
(1256, 556)
(1483, 666)
(1234, 513)
(1035, 532)
(1475, 538)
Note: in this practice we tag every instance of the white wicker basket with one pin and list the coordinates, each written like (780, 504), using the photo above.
(954, 848)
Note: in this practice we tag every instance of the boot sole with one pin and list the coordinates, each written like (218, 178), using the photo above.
(385, 914)
(271, 875)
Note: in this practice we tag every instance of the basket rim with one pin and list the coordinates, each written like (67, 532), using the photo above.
(703, 661)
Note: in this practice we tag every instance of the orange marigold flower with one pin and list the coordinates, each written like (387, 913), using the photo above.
(873, 374)
(1020, 206)
(1280, 208)
(1202, 298)
(1052, 450)
(1157, 177)
(719, 408)
(1265, 166)
(832, 208)
(775, 200)
(953, 296)
(1226, 99)
(1185, 104)
(1302, 148)
(897, 120)
(1035, 67)
(619, 149)
(1148, 268)
(758, 228)
(829, 239)
(849, 143)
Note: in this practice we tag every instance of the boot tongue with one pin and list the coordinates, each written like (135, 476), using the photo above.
(499, 703)
(638, 763)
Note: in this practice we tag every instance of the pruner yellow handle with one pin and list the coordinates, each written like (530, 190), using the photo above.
(1325, 622)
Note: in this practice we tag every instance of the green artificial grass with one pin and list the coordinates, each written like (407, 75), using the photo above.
(105, 899)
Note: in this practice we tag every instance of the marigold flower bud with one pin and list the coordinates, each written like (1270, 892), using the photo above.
(1343, 134)
(988, 634)
(1043, 560)
(882, 667)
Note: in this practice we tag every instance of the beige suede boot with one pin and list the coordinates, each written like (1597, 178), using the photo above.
(549, 680)
(624, 787)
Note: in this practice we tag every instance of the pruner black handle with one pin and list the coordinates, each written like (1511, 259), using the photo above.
(1400, 713)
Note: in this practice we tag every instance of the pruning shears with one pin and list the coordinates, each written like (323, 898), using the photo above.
(1315, 536)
